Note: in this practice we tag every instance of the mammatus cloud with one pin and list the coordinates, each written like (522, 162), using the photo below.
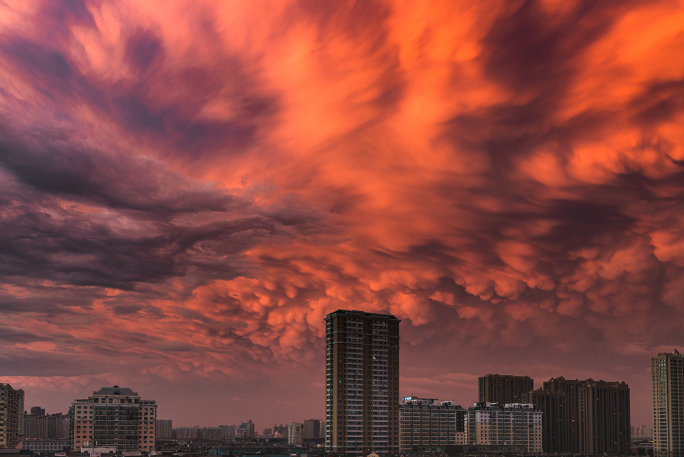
(187, 192)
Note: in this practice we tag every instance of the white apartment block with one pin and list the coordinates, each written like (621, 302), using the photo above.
(494, 424)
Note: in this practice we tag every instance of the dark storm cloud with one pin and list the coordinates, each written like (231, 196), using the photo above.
(142, 48)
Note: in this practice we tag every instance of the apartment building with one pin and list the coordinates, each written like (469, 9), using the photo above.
(497, 388)
(362, 383)
(494, 424)
(10, 399)
(113, 417)
(589, 417)
(428, 423)
(667, 375)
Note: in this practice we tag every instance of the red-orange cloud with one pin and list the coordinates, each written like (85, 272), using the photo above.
(187, 191)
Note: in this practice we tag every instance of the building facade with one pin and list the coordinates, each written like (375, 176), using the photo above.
(36, 424)
(295, 434)
(113, 417)
(9, 416)
(588, 417)
(186, 433)
(604, 418)
(493, 424)
(643, 431)
(497, 388)
(164, 429)
(43, 446)
(20, 412)
(312, 428)
(425, 422)
(667, 371)
(556, 423)
(362, 383)
(228, 431)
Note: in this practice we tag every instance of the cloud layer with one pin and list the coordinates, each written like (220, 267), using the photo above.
(186, 192)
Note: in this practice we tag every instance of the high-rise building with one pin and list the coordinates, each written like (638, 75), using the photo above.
(210, 434)
(20, 412)
(494, 424)
(113, 417)
(312, 428)
(588, 417)
(667, 371)
(164, 429)
(9, 416)
(187, 433)
(58, 426)
(427, 423)
(497, 388)
(556, 423)
(228, 431)
(362, 383)
(245, 430)
(604, 418)
(36, 424)
(295, 434)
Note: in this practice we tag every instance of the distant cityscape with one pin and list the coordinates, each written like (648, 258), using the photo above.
(364, 414)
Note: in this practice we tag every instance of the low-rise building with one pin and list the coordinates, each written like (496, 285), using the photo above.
(513, 424)
(44, 446)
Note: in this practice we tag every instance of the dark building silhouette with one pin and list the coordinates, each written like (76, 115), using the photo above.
(589, 417)
(362, 383)
(496, 388)
(556, 433)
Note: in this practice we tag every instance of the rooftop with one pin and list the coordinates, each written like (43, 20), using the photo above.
(116, 390)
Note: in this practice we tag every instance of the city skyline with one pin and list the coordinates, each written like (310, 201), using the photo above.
(188, 189)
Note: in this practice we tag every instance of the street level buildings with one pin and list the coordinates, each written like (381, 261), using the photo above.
(44, 446)
(497, 388)
(667, 375)
(588, 417)
(427, 423)
(362, 383)
(495, 424)
(9, 416)
(113, 417)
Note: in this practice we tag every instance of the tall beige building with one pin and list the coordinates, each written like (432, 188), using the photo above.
(362, 383)
(10, 400)
(494, 424)
(668, 404)
(113, 417)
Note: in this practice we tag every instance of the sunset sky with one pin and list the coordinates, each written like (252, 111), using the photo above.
(187, 188)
